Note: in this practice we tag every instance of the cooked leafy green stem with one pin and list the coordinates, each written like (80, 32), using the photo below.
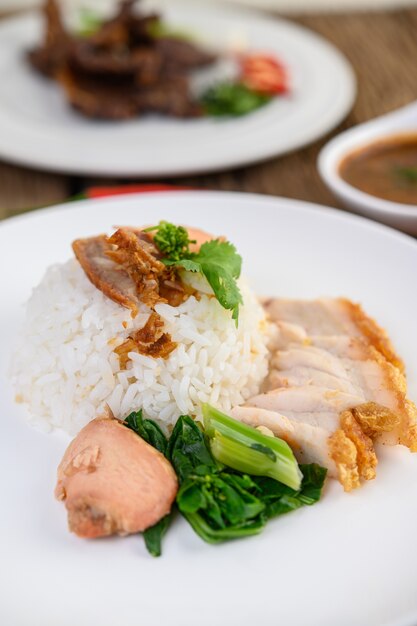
(153, 536)
(247, 450)
(211, 535)
(152, 434)
(218, 502)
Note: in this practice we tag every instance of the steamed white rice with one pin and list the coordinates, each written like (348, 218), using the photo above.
(66, 371)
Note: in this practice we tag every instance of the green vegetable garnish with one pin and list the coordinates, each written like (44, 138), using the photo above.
(148, 430)
(215, 502)
(159, 29)
(152, 434)
(232, 99)
(219, 502)
(217, 260)
(89, 22)
(407, 174)
(153, 536)
(187, 448)
(173, 241)
(247, 450)
(222, 504)
(280, 499)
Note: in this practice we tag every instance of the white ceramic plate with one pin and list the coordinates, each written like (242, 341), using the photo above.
(326, 5)
(350, 559)
(39, 129)
(275, 5)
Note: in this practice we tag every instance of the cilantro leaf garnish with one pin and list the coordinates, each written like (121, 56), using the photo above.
(217, 260)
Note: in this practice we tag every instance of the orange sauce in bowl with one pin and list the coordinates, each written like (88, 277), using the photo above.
(386, 169)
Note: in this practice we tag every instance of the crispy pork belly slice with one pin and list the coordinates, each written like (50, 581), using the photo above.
(127, 267)
(112, 279)
(335, 385)
(340, 441)
(309, 443)
(332, 342)
(317, 406)
(347, 365)
(333, 317)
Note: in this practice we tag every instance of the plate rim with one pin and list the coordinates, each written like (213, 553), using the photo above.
(304, 205)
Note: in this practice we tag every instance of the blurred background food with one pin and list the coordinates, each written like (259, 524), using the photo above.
(134, 62)
(378, 37)
(122, 67)
(328, 5)
(286, 6)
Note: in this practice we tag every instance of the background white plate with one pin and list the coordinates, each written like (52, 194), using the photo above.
(349, 560)
(277, 5)
(39, 129)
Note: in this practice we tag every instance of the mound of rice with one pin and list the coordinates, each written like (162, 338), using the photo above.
(65, 368)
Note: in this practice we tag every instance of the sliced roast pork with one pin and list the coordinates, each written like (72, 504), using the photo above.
(335, 386)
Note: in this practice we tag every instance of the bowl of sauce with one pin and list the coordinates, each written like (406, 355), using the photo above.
(386, 169)
(372, 168)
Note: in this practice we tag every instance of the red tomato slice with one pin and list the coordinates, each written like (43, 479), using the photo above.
(264, 74)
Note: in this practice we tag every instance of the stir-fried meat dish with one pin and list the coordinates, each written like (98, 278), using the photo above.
(113, 482)
(335, 385)
(52, 55)
(123, 69)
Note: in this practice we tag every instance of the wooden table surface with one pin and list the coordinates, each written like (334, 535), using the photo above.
(382, 48)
